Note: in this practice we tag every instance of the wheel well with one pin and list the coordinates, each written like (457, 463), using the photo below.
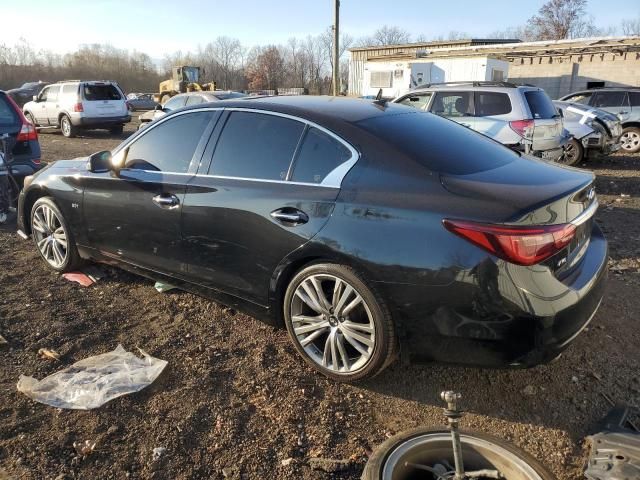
(60, 115)
(282, 282)
(29, 200)
(631, 124)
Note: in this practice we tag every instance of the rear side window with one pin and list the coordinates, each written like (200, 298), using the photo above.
(255, 145)
(318, 156)
(8, 115)
(582, 98)
(419, 100)
(175, 102)
(492, 103)
(610, 99)
(438, 144)
(52, 96)
(95, 92)
(195, 100)
(453, 104)
(540, 105)
(169, 147)
(69, 91)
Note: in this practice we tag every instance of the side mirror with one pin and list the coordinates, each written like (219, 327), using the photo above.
(100, 162)
(159, 108)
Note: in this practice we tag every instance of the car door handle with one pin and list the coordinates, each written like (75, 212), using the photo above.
(166, 201)
(290, 216)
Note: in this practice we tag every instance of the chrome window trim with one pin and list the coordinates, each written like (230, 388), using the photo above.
(332, 180)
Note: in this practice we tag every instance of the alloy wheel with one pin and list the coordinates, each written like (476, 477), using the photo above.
(50, 236)
(630, 140)
(65, 127)
(571, 154)
(332, 323)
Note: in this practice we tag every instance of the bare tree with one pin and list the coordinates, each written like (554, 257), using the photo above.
(386, 35)
(560, 19)
(267, 71)
(631, 27)
(346, 42)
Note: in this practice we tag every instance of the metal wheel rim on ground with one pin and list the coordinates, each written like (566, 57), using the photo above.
(570, 156)
(50, 236)
(429, 449)
(332, 323)
(66, 127)
(630, 140)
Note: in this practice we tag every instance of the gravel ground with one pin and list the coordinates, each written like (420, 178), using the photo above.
(236, 402)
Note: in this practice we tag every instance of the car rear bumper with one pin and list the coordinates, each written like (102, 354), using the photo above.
(101, 122)
(501, 315)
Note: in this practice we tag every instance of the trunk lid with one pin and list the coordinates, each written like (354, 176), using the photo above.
(529, 192)
(102, 99)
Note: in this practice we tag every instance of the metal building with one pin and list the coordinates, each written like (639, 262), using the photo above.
(559, 67)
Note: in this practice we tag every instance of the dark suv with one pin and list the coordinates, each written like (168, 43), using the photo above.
(26, 92)
(623, 102)
(22, 136)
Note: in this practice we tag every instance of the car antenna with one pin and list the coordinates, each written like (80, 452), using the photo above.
(379, 100)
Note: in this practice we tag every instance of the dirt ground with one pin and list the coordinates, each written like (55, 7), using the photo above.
(236, 402)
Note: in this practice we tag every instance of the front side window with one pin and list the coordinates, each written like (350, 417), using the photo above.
(319, 155)
(175, 102)
(44, 94)
(453, 104)
(168, 147)
(419, 101)
(634, 99)
(492, 103)
(256, 145)
(52, 96)
(582, 98)
(610, 99)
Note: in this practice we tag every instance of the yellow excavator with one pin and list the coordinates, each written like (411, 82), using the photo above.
(184, 79)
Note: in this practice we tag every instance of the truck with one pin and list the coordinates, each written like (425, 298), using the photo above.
(395, 77)
(184, 78)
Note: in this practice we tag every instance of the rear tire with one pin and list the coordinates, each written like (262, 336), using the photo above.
(52, 236)
(349, 340)
(630, 139)
(573, 153)
(67, 128)
(437, 440)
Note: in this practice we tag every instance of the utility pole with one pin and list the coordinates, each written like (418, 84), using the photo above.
(336, 48)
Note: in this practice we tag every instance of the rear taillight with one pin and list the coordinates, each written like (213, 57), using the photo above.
(524, 128)
(78, 107)
(27, 132)
(520, 245)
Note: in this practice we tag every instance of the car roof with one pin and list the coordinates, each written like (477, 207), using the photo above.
(320, 109)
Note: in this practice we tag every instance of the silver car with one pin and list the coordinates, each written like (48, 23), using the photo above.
(520, 117)
(185, 99)
(594, 131)
(623, 102)
(141, 101)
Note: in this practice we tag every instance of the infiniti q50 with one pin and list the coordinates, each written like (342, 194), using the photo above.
(370, 230)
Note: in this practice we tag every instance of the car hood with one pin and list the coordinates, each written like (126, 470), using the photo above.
(73, 165)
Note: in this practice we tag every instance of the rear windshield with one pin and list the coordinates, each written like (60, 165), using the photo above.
(101, 92)
(8, 115)
(540, 105)
(439, 144)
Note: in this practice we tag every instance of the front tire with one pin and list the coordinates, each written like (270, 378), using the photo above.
(53, 237)
(630, 139)
(341, 327)
(67, 128)
(117, 130)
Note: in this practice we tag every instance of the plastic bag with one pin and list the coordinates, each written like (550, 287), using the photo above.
(94, 381)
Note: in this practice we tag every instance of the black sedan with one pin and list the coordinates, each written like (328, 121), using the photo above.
(366, 229)
(26, 92)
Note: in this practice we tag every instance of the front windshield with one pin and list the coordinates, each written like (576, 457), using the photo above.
(191, 74)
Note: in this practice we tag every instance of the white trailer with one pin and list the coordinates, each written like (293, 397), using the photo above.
(396, 77)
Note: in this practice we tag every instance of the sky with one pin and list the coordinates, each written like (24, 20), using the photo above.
(157, 27)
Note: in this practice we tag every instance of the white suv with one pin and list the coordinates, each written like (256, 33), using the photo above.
(74, 105)
(518, 116)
